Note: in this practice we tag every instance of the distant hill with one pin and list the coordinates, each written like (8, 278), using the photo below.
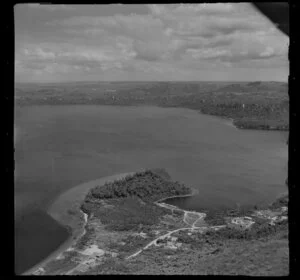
(255, 105)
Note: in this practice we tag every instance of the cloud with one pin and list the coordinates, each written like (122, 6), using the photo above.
(208, 53)
(191, 9)
(50, 7)
(38, 53)
(208, 20)
(231, 55)
(268, 52)
(72, 58)
(169, 30)
(235, 54)
(170, 38)
(133, 26)
(148, 52)
(210, 28)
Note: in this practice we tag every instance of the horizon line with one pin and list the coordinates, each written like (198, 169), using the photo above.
(146, 81)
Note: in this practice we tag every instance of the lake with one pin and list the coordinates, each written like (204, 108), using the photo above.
(58, 147)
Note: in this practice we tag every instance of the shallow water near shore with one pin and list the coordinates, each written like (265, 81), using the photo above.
(59, 147)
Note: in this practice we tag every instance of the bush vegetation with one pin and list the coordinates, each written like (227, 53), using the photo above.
(131, 244)
(261, 105)
(258, 230)
(147, 185)
(128, 214)
(217, 216)
(280, 202)
(82, 242)
(132, 198)
(111, 266)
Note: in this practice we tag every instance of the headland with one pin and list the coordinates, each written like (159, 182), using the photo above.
(128, 229)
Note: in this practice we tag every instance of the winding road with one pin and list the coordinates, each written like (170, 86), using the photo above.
(190, 218)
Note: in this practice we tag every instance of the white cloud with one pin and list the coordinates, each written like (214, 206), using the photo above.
(267, 52)
(50, 7)
(171, 38)
(209, 53)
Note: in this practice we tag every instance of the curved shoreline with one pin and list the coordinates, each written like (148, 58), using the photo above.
(194, 192)
(75, 196)
(66, 210)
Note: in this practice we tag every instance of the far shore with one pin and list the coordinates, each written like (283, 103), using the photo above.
(66, 210)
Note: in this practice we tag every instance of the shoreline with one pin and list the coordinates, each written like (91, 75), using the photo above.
(231, 121)
(194, 192)
(84, 188)
(71, 199)
(66, 210)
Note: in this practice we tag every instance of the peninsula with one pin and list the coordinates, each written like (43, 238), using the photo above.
(129, 229)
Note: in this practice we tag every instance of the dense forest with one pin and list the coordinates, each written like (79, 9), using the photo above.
(127, 204)
(147, 185)
(253, 105)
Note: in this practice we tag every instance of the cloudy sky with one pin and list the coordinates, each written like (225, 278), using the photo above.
(199, 42)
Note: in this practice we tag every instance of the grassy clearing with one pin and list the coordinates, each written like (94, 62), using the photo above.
(127, 204)
(215, 217)
(111, 266)
(57, 265)
(127, 214)
(261, 229)
(129, 245)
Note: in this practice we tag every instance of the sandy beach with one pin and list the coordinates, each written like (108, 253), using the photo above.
(66, 210)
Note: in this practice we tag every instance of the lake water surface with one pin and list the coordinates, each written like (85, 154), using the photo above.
(58, 147)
